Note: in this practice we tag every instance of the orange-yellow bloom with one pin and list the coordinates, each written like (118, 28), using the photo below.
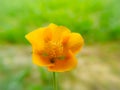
(55, 47)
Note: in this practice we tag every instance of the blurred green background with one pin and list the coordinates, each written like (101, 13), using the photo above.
(98, 21)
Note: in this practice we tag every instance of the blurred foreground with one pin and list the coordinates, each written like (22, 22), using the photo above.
(98, 69)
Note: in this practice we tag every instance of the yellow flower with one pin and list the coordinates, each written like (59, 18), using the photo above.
(55, 47)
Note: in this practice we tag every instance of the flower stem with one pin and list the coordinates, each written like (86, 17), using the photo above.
(54, 81)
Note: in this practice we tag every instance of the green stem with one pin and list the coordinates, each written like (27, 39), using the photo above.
(54, 81)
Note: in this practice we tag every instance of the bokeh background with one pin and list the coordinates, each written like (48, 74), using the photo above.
(98, 21)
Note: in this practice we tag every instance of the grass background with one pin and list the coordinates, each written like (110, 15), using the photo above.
(98, 21)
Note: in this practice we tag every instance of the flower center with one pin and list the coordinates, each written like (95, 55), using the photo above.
(54, 49)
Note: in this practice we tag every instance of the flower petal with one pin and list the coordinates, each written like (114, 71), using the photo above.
(41, 60)
(58, 31)
(47, 35)
(36, 38)
(52, 26)
(64, 65)
(75, 42)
